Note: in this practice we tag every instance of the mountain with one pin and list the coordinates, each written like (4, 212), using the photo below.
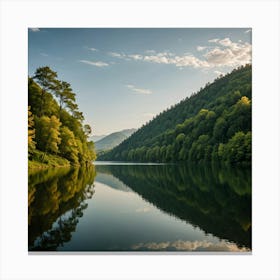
(112, 140)
(96, 138)
(212, 124)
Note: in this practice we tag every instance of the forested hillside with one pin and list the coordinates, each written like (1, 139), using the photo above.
(212, 124)
(56, 134)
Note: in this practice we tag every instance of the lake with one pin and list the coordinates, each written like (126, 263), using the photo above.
(119, 207)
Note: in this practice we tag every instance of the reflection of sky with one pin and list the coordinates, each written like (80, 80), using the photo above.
(118, 220)
(180, 245)
(111, 181)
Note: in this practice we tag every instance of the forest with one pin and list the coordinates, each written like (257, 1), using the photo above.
(56, 133)
(213, 124)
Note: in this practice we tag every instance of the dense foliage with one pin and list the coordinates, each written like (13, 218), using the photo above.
(213, 124)
(55, 125)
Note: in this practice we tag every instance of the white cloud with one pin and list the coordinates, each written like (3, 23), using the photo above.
(225, 42)
(232, 54)
(204, 245)
(223, 53)
(136, 56)
(200, 48)
(93, 49)
(190, 60)
(213, 40)
(115, 54)
(95, 63)
(35, 29)
(165, 58)
(158, 58)
(249, 30)
(120, 55)
(139, 90)
(44, 54)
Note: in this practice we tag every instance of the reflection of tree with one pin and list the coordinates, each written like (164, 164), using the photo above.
(52, 193)
(60, 232)
(215, 198)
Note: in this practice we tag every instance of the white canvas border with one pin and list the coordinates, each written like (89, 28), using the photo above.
(262, 16)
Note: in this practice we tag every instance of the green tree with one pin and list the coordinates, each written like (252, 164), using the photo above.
(220, 129)
(65, 95)
(31, 132)
(68, 146)
(48, 135)
(87, 130)
(47, 79)
(237, 149)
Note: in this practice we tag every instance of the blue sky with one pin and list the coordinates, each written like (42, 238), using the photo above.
(123, 77)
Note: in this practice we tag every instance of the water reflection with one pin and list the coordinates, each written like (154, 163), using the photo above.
(215, 198)
(56, 200)
(179, 245)
(138, 207)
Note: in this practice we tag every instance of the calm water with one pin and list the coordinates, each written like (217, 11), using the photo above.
(137, 207)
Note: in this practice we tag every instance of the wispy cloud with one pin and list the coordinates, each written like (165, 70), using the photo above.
(122, 56)
(213, 40)
(93, 49)
(44, 54)
(221, 53)
(248, 31)
(139, 90)
(95, 63)
(200, 48)
(34, 29)
(136, 56)
(115, 54)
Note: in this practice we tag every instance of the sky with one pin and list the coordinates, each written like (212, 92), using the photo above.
(123, 77)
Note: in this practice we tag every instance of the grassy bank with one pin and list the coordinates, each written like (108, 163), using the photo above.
(41, 160)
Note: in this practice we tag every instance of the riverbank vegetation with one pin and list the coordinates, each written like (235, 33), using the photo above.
(56, 133)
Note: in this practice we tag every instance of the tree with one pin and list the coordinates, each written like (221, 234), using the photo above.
(220, 128)
(68, 146)
(57, 119)
(237, 149)
(87, 130)
(46, 78)
(65, 95)
(31, 132)
(48, 135)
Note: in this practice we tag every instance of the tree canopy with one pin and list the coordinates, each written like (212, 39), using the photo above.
(55, 124)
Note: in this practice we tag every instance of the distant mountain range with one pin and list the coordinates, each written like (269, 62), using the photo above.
(96, 138)
(112, 140)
